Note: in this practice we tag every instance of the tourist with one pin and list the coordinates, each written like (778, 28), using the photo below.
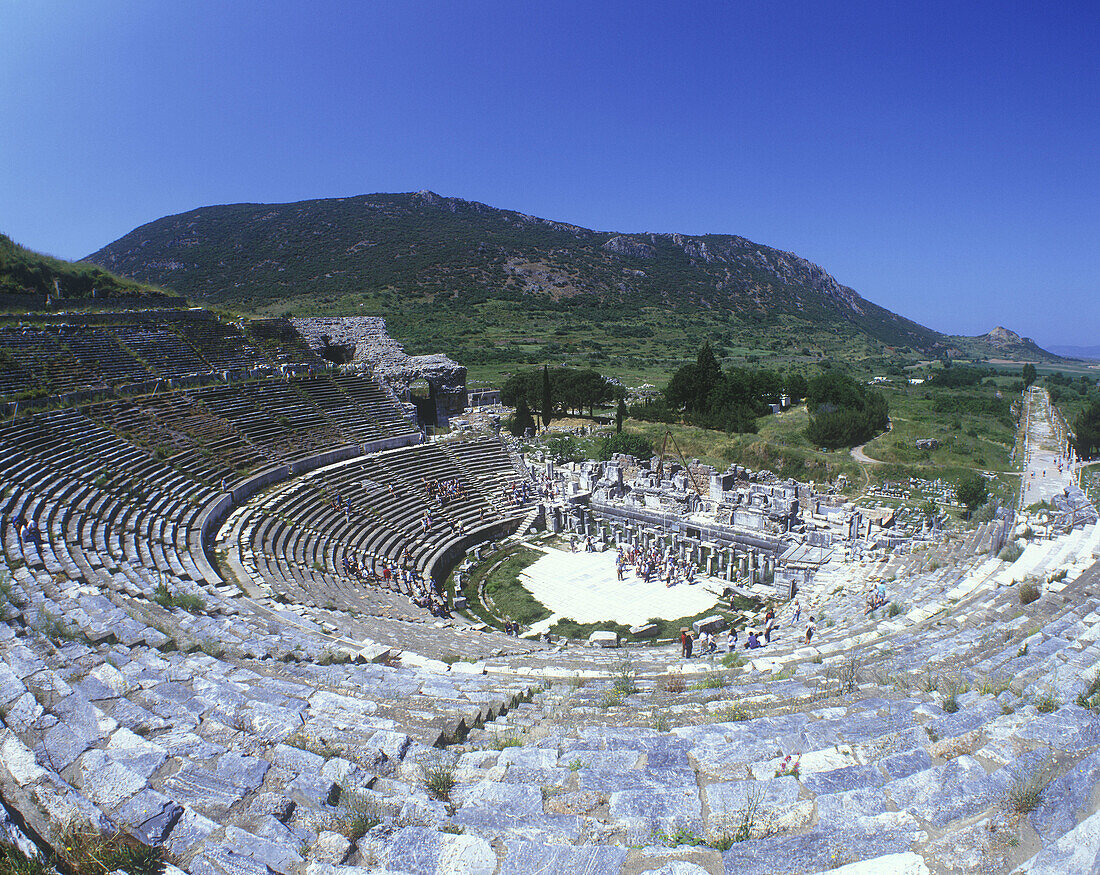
(810, 629)
(797, 613)
(686, 643)
(753, 642)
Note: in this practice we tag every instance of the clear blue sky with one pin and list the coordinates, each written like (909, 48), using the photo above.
(940, 158)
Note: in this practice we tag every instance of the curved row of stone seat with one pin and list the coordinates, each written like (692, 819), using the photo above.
(883, 768)
(74, 352)
(370, 506)
(217, 432)
(220, 759)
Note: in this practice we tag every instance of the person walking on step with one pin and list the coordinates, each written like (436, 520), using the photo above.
(686, 643)
(810, 630)
(797, 613)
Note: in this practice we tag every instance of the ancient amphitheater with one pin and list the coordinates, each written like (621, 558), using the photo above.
(187, 660)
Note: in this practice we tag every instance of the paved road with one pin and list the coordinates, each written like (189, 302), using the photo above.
(1047, 471)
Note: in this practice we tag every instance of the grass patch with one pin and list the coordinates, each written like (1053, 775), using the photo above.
(356, 815)
(15, 862)
(439, 778)
(185, 601)
(507, 598)
(86, 851)
(1026, 792)
(1046, 703)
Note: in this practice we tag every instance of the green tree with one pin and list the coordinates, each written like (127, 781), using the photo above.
(547, 397)
(522, 420)
(620, 415)
(1029, 374)
(629, 444)
(971, 491)
(795, 386)
(1086, 431)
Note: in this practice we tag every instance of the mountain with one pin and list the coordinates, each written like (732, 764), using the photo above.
(29, 280)
(1090, 353)
(1001, 343)
(494, 286)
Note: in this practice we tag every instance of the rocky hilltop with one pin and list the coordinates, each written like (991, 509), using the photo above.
(407, 256)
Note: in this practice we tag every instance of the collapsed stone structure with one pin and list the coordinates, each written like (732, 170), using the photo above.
(744, 526)
(434, 384)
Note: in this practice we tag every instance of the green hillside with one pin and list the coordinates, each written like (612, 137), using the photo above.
(28, 277)
(495, 288)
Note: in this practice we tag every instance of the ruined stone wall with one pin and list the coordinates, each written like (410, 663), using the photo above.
(367, 345)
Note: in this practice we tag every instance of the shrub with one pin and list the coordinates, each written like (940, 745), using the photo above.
(626, 676)
(894, 609)
(1029, 592)
(1011, 552)
(675, 684)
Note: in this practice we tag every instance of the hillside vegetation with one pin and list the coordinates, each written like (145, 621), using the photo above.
(495, 288)
(25, 273)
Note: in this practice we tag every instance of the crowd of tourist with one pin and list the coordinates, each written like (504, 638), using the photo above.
(400, 576)
(658, 562)
(757, 636)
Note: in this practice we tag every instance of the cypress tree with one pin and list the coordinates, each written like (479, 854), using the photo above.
(620, 414)
(545, 396)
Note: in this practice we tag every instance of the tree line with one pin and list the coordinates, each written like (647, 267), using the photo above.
(701, 393)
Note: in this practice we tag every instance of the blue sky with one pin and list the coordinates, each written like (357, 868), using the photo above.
(940, 158)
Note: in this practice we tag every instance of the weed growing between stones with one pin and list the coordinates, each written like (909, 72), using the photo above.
(59, 630)
(1011, 552)
(439, 777)
(1046, 703)
(674, 684)
(576, 765)
(86, 851)
(15, 862)
(735, 714)
(848, 674)
(182, 600)
(626, 677)
(660, 722)
(710, 681)
(988, 686)
(1026, 792)
(357, 814)
(332, 657)
(503, 740)
(8, 596)
(312, 744)
(894, 609)
(611, 699)
(789, 767)
(1090, 696)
